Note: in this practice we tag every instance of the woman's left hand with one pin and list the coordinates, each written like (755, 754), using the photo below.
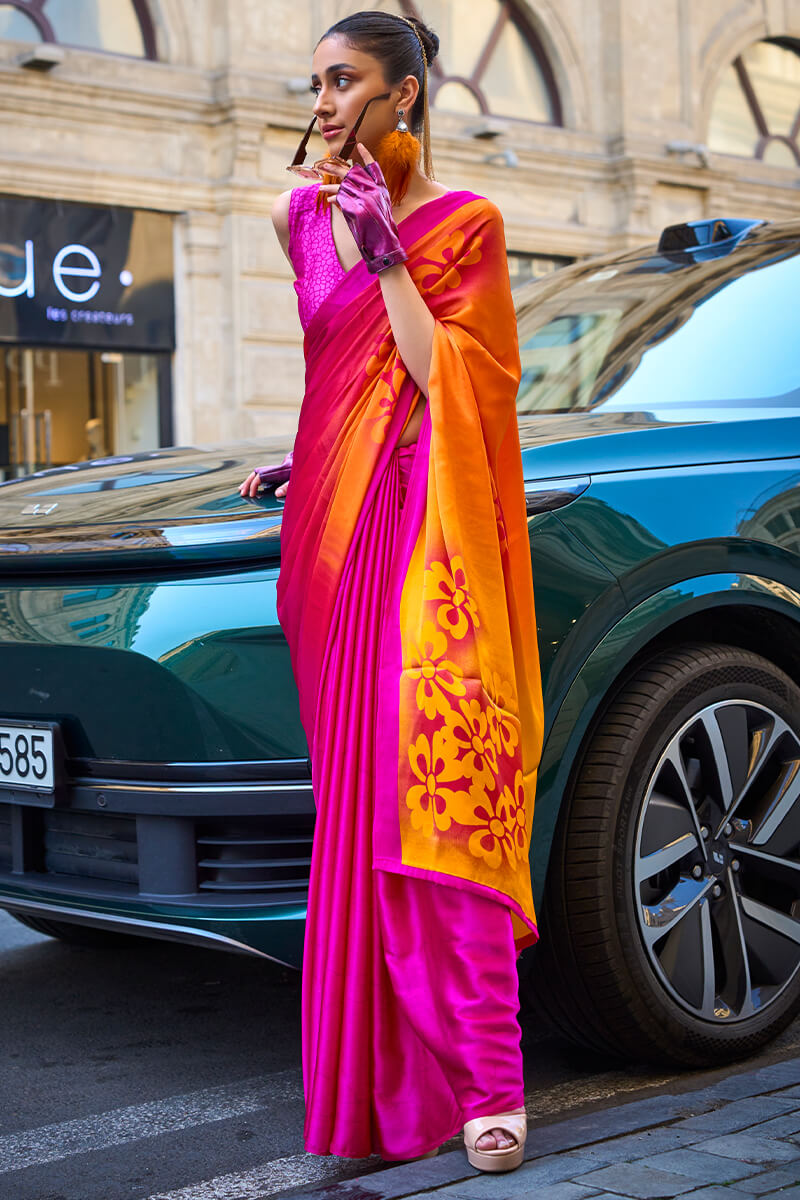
(339, 168)
(366, 205)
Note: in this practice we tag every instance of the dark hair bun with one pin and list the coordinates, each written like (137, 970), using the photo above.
(430, 40)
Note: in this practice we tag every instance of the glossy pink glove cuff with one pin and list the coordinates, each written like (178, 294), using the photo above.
(277, 474)
(364, 199)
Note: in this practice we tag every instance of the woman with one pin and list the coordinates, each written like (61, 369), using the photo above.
(406, 598)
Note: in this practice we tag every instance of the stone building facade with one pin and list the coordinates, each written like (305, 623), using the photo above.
(194, 107)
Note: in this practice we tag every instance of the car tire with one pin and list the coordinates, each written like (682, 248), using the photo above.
(77, 935)
(695, 963)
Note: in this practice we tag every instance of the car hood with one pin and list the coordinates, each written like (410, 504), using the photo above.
(592, 443)
(182, 505)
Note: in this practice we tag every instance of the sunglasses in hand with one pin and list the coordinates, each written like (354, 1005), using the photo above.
(297, 166)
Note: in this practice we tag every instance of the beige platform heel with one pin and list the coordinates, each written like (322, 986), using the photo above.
(514, 1123)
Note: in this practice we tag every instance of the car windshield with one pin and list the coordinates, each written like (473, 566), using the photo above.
(654, 335)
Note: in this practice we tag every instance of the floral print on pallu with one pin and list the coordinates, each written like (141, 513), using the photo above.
(438, 677)
(505, 726)
(500, 831)
(441, 269)
(434, 762)
(456, 610)
(512, 811)
(464, 755)
(470, 728)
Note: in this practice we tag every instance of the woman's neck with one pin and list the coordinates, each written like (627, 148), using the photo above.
(420, 190)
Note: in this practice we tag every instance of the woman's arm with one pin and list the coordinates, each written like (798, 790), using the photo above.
(280, 220)
(412, 323)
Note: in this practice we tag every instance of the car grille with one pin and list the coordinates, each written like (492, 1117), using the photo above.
(5, 837)
(236, 859)
(90, 845)
(253, 856)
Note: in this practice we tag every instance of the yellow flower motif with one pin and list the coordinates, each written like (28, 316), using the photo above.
(442, 270)
(492, 724)
(501, 691)
(511, 811)
(471, 734)
(488, 840)
(435, 673)
(501, 828)
(457, 609)
(505, 733)
(434, 763)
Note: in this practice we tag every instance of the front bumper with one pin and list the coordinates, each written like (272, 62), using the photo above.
(211, 853)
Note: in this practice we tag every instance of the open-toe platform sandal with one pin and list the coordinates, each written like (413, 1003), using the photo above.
(512, 1123)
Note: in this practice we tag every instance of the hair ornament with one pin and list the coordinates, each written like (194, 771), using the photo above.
(427, 157)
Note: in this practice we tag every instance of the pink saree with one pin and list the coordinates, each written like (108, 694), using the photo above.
(405, 595)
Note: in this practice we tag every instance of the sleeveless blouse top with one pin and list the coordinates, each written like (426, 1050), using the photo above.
(312, 252)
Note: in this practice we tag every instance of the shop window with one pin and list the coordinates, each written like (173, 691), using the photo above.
(113, 26)
(756, 110)
(490, 63)
(67, 406)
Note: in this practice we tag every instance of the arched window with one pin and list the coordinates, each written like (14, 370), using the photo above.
(490, 62)
(115, 26)
(756, 110)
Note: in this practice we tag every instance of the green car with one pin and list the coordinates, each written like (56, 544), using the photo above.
(153, 773)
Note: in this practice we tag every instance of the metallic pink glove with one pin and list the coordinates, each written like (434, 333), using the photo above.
(277, 474)
(364, 199)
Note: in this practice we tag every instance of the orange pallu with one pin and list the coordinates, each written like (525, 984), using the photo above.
(459, 722)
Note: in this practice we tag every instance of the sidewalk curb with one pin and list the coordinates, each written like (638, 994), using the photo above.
(635, 1116)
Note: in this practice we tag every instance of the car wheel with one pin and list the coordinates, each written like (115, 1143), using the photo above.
(671, 923)
(75, 934)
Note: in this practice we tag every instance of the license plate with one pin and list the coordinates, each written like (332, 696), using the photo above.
(27, 757)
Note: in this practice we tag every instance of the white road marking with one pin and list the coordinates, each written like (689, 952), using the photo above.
(275, 1177)
(269, 1180)
(49, 1143)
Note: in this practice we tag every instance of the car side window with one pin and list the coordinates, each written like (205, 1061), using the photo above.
(706, 336)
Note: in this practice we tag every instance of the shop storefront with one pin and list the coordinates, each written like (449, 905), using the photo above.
(87, 333)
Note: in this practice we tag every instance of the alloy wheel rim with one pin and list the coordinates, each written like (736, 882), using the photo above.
(717, 862)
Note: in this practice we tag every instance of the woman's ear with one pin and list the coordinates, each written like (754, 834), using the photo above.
(409, 90)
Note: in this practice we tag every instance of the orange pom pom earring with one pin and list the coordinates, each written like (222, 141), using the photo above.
(398, 154)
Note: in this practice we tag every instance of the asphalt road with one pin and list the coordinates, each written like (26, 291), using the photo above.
(158, 1072)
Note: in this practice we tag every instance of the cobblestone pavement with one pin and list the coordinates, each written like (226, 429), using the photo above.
(738, 1139)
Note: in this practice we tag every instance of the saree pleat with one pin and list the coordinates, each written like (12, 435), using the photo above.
(409, 990)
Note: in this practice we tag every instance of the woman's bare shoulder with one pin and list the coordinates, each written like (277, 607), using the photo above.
(280, 219)
(280, 212)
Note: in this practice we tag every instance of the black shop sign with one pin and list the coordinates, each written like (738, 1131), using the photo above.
(74, 275)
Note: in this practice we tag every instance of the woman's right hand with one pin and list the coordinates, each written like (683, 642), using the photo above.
(252, 485)
(276, 473)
